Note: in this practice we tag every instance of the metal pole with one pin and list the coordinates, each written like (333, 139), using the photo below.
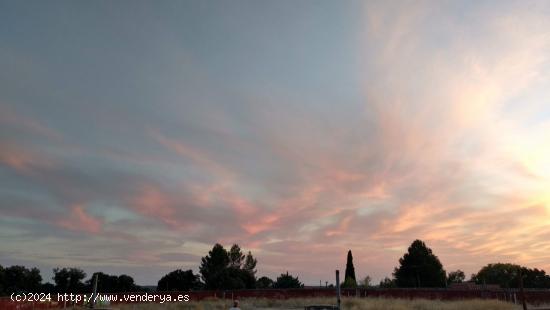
(338, 289)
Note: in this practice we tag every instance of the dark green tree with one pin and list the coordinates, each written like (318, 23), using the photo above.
(506, 275)
(248, 278)
(233, 278)
(250, 264)
(15, 279)
(179, 280)
(221, 269)
(535, 278)
(456, 277)
(126, 283)
(105, 283)
(112, 284)
(287, 281)
(236, 256)
(213, 267)
(349, 278)
(33, 280)
(419, 267)
(2, 281)
(69, 280)
(264, 282)
(20, 279)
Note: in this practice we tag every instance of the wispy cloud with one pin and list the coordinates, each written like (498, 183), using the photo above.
(79, 220)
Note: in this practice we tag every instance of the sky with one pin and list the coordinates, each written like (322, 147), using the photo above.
(134, 135)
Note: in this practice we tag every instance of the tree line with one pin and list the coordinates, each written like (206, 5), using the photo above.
(219, 269)
(18, 279)
(224, 269)
(231, 269)
(420, 267)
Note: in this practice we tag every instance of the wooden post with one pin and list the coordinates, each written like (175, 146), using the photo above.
(338, 289)
(521, 292)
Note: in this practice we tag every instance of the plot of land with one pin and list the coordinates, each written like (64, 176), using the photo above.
(347, 304)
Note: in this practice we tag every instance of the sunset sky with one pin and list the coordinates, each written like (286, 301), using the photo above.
(136, 134)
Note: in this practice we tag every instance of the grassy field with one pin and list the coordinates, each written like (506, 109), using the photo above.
(347, 304)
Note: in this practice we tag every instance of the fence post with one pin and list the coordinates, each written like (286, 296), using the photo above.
(521, 292)
(338, 289)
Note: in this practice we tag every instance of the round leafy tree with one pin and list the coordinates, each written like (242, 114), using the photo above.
(287, 281)
(264, 282)
(179, 280)
(419, 267)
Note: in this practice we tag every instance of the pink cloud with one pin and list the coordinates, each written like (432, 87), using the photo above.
(79, 220)
(21, 159)
(259, 224)
(152, 202)
(197, 156)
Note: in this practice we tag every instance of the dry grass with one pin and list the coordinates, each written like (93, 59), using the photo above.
(347, 304)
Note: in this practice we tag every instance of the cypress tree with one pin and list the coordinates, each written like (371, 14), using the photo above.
(350, 272)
